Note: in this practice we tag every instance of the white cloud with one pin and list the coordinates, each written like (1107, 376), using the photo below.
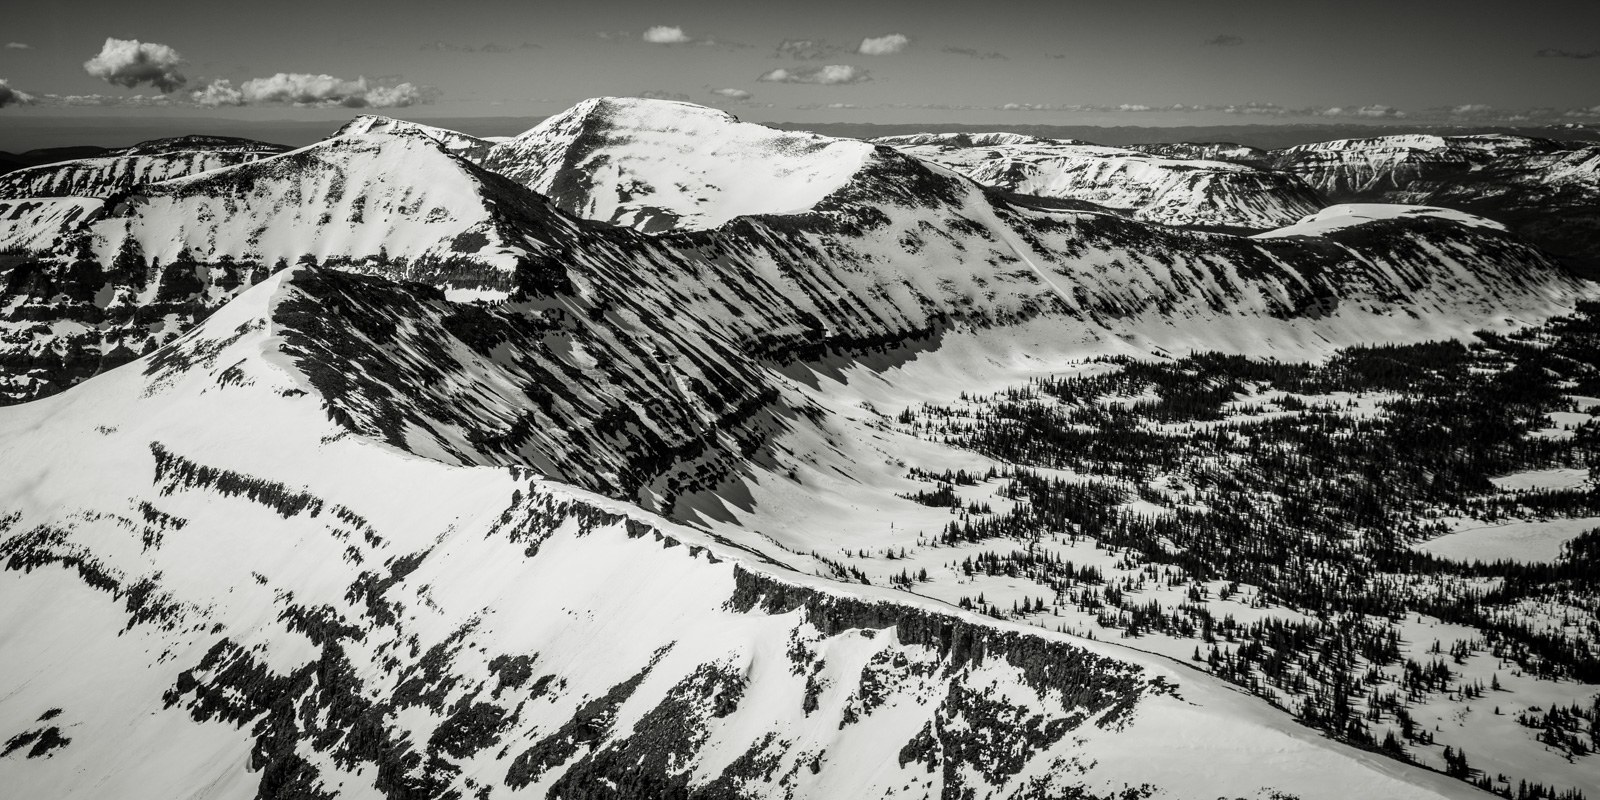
(18, 46)
(132, 63)
(303, 89)
(217, 93)
(1377, 111)
(806, 49)
(886, 45)
(1267, 109)
(733, 94)
(831, 75)
(108, 100)
(12, 97)
(666, 34)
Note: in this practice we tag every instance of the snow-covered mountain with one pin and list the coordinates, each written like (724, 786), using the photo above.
(1366, 168)
(123, 170)
(418, 485)
(35, 224)
(1206, 151)
(399, 200)
(470, 148)
(1547, 191)
(658, 165)
(289, 609)
(1153, 188)
(902, 248)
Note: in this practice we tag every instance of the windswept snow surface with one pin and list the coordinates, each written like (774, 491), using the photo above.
(657, 165)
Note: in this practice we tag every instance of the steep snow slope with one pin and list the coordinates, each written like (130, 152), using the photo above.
(121, 171)
(1153, 188)
(397, 200)
(290, 610)
(29, 225)
(657, 165)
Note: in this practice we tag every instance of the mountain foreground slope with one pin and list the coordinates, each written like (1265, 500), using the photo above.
(496, 633)
(412, 483)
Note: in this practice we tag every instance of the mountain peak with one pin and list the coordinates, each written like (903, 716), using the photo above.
(659, 164)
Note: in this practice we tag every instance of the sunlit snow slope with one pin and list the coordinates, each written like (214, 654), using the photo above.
(657, 165)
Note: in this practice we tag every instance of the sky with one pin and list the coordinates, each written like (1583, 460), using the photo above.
(1110, 62)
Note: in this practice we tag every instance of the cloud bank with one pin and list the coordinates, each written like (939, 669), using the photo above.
(132, 63)
(806, 49)
(831, 75)
(883, 45)
(12, 97)
(304, 89)
(666, 34)
(733, 94)
(1224, 40)
(18, 46)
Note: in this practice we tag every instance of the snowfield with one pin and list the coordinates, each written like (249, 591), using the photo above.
(1538, 541)
(1348, 215)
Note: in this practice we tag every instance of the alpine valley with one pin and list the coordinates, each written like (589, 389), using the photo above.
(651, 453)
